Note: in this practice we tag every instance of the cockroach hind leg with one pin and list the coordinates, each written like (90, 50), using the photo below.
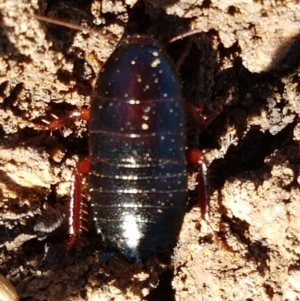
(196, 157)
(71, 242)
(78, 210)
(221, 243)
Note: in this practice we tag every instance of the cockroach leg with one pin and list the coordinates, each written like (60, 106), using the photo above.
(59, 122)
(196, 157)
(183, 55)
(77, 210)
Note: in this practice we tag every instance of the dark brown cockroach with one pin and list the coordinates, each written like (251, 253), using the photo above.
(137, 158)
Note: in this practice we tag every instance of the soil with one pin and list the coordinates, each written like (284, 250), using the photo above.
(241, 68)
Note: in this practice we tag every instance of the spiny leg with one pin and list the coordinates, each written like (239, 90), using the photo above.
(59, 122)
(77, 212)
(196, 157)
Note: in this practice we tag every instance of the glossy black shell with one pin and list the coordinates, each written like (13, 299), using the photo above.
(138, 180)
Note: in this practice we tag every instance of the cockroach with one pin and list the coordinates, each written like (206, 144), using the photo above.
(137, 162)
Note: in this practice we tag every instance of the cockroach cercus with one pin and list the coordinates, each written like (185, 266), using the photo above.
(137, 161)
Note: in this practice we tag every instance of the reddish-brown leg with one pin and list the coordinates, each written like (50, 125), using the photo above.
(77, 212)
(83, 114)
(77, 208)
(196, 157)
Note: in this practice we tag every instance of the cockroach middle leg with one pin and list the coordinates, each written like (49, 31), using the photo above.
(78, 210)
(59, 122)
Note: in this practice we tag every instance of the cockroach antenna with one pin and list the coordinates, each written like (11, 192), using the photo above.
(67, 24)
(64, 23)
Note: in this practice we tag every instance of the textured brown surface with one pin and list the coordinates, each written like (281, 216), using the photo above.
(243, 69)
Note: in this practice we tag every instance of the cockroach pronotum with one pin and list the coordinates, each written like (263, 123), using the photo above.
(137, 152)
